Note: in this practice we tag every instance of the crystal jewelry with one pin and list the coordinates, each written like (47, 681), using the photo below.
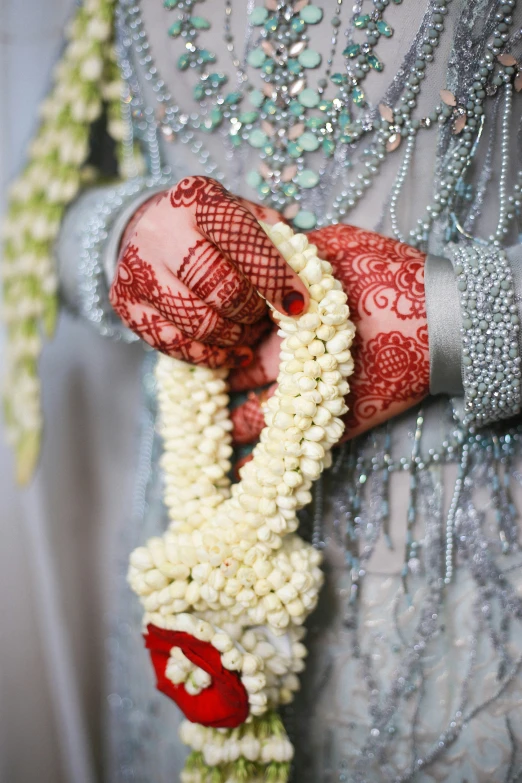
(231, 572)
(490, 333)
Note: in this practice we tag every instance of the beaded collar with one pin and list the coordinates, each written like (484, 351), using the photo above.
(300, 132)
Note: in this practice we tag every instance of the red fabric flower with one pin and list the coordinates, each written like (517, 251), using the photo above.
(223, 705)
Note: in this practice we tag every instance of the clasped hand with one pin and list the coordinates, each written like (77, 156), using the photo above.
(195, 269)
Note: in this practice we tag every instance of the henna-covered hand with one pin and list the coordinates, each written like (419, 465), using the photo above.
(194, 271)
(384, 281)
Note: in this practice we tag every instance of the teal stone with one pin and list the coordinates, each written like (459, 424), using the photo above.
(175, 29)
(232, 98)
(254, 179)
(296, 108)
(263, 189)
(199, 92)
(248, 117)
(352, 50)
(309, 58)
(183, 62)
(305, 220)
(256, 98)
(256, 58)
(206, 57)
(217, 78)
(216, 117)
(325, 105)
(297, 25)
(269, 67)
(311, 14)
(374, 62)
(269, 150)
(362, 21)
(258, 16)
(257, 138)
(384, 28)
(289, 189)
(339, 78)
(344, 119)
(308, 98)
(294, 66)
(294, 150)
(307, 178)
(170, 4)
(270, 107)
(271, 25)
(328, 147)
(200, 23)
(314, 123)
(235, 138)
(308, 141)
(357, 96)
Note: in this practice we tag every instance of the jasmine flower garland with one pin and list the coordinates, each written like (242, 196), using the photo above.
(227, 588)
(86, 78)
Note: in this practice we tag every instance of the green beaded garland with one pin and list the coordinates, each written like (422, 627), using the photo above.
(309, 58)
(308, 98)
(305, 220)
(308, 141)
(256, 58)
(311, 14)
(257, 138)
(307, 178)
(258, 16)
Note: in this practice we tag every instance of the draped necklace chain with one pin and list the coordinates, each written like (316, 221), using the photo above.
(303, 132)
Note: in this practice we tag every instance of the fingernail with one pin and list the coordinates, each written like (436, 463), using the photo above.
(294, 303)
(243, 358)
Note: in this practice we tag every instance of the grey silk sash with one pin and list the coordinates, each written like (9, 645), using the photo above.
(444, 323)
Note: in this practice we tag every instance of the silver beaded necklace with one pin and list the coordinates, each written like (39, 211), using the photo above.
(283, 178)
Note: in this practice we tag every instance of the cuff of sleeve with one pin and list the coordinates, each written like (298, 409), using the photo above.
(444, 324)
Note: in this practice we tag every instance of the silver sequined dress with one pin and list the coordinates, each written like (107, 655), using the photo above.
(408, 678)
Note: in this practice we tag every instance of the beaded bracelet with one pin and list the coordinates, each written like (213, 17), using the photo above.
(490, 334)
(99, 240)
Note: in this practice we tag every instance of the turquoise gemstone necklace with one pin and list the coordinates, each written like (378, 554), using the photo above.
(292, 124)
(279, 122)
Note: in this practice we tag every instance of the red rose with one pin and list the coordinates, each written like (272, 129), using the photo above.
(223, 705)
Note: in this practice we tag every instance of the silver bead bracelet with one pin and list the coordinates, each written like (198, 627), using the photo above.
(490, 333)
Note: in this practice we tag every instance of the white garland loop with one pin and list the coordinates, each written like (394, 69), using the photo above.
(231, 570)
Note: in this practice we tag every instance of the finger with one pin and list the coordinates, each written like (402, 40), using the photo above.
(263, 370)
(236, 232)
(262, 214)
(248, 419)
(173, 241)
(136, 281)
(162, 335)
(218, 282)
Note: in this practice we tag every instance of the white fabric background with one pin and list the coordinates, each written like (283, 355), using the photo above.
(51, 644)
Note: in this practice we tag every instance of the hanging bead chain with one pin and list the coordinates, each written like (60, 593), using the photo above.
(284, 183)
(173, 124)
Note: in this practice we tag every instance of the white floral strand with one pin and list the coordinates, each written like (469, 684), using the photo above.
(86, 75)
(231, 570)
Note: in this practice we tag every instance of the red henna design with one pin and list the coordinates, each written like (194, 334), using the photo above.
(234, 230)
(188, 191)
(378, 272)
(136, 283)
(248, 419)
(392, 368)
(216, 281)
